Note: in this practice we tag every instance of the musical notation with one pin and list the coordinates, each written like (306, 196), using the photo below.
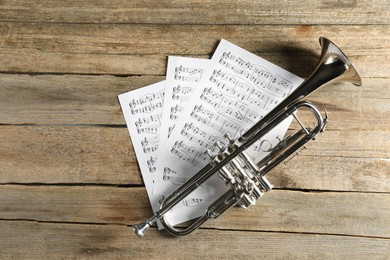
(230, 85)
(203, 138)
(151, 129)
(142, 109)
(217, 121)
(151, 162)
(188, 74)
(181, 93)
(149, 144)
(189, 154)
(175, 111)
(172, 123)
(233, 108)
(257, 74)
(194, 202)
(183, 74)
(173, 177)
(147, 103)
(236, 91)
(147, 120)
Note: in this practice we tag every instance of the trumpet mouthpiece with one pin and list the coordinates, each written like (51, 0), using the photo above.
(141, 228)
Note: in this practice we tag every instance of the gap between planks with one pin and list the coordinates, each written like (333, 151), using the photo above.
(201, 228)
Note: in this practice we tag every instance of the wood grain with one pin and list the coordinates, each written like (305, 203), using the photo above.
(70, 186)
(92, 100)
(65, 99)
(67, 154)
(346, 213)
(195, 12)
(112, 241)
(337, 160)
(133, 49)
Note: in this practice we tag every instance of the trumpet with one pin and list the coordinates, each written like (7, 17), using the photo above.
(244, 178)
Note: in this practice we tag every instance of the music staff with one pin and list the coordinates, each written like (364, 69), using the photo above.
(175, 111)
(147, 103)
(194, 202)
(150, 129)
(258, 75)
(233, 86)
(151, 162)
(181, 93)
(216, 121)
(195, 134)
(189, 153)
(149, 144)
(188, 74)
(148, 119)
(173, 177)
(234, 108)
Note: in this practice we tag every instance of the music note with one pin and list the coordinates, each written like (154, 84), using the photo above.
(149, 144)
(188, 74)
(202, 138)
(192, 202)
(181, 93)
(152, 163)
(175, 111)
(173, 177)
(147, 103)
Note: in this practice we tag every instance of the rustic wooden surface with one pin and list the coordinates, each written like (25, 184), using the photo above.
(70, 186)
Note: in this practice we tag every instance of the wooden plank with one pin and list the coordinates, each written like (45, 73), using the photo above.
(142, 49)
(44, 240)
(176, 39)
(74, 99)
(339, 173)
(337, 160)
(195, 12)
(65, 99)
(67, 155)
(341, 213)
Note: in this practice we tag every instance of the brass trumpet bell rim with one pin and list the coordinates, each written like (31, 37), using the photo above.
(328, 48)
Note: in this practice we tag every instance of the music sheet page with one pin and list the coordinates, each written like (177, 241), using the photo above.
(236, 92)
(182, 77)
(143, 112)
(142, 109)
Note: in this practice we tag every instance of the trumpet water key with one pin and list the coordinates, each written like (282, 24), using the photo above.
(246, 179)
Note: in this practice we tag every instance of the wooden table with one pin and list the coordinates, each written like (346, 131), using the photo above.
(70, 184)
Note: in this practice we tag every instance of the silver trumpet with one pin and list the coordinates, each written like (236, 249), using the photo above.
(245, 178)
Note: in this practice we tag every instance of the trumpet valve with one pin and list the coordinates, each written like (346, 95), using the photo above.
(265, 184)
(257, 193)
(229, 138)
(208, 153)
(227, 176)
(219, 146)
(247, 201)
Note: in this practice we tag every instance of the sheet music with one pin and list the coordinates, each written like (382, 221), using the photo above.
(142, 109)
(236, 92)
(183, 76)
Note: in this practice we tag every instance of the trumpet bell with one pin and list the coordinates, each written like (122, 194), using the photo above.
(330, 56)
